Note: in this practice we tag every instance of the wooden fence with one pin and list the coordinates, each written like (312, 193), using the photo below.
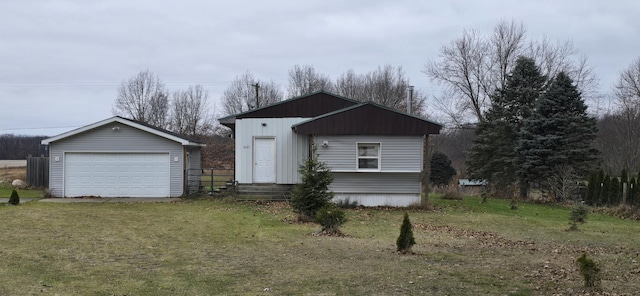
(38, 171)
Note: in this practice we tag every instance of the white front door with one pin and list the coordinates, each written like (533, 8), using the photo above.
(264, 160)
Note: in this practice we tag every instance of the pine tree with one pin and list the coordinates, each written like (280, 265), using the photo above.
(405, 240)
(441, 169)
(15, 198)
(559, 134)
(614, 191)
(493, 154)
(599, 188)
(604, 191)
(592, 189)
(312, 193)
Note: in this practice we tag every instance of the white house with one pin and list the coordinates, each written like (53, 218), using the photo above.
(119, 157)
(375, 153)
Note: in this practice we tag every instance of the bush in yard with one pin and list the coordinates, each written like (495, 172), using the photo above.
(312, 193)
(452, 193)
(577, 215)
(406, 240)
(14, 199)
(330, 217)
(589, 270)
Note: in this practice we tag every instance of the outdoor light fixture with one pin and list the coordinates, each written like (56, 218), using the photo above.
(264, 124)
(115, 128)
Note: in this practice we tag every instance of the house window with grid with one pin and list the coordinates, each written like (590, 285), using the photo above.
(369, 156)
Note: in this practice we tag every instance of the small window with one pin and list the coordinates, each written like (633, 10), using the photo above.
(369, 156)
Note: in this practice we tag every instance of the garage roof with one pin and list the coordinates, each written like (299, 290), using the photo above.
(132, 123)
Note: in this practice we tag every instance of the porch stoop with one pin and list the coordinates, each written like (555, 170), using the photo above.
(263, 191)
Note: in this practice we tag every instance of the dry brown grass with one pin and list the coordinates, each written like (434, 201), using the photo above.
(8, 174)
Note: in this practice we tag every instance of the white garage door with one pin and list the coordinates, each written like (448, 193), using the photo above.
(116, 174)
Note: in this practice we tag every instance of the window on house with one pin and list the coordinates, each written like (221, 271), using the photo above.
(368, 156)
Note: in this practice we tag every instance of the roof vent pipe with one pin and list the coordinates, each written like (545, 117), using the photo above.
(409, 99)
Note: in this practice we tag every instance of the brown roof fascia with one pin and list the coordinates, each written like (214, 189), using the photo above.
(367, 119)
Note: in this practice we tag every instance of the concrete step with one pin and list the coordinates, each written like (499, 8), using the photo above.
(263, 191)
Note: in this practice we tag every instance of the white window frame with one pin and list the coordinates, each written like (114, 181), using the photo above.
(378, 157)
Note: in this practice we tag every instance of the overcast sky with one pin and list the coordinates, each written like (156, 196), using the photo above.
(62, 61)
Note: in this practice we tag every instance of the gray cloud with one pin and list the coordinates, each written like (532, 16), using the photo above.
(62, 61)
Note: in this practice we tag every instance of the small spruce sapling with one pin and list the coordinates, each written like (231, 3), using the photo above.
(14, 199)
(406, 240)
(589, 270)
(312, 193)
(577, 215)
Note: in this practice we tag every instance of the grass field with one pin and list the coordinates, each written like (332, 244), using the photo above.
(213, 247)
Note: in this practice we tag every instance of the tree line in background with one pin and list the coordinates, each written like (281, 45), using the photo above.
(20, 146)
(386, 85)
(519, 147)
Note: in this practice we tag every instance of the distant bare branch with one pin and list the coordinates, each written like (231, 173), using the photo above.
(143, 97)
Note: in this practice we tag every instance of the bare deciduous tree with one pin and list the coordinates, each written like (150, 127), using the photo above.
(474, 66)
(465, 72)
(190, 115)
(387, 85)
(619, 132)
(143, 97)
(240, 95)
(562, 184)
(627, 89)
(305, 79)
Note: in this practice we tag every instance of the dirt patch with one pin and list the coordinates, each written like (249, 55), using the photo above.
(544, 263)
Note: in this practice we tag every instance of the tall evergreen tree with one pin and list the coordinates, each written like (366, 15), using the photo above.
(614, 191)
(592, 188)
(599, 188)
(559, 134)
(493, 154)
(604, 190)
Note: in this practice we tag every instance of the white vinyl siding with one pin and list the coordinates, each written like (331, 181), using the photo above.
(397, 153)
(375, 183)
(291, 148)
(126, 139)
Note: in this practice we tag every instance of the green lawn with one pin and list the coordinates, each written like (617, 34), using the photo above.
(214, 247)
(6, 189)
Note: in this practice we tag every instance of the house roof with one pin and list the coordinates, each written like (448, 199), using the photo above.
(129, 122)
(311, 105)
(367, 119)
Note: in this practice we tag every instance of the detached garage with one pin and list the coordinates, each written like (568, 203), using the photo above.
(119, 157)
